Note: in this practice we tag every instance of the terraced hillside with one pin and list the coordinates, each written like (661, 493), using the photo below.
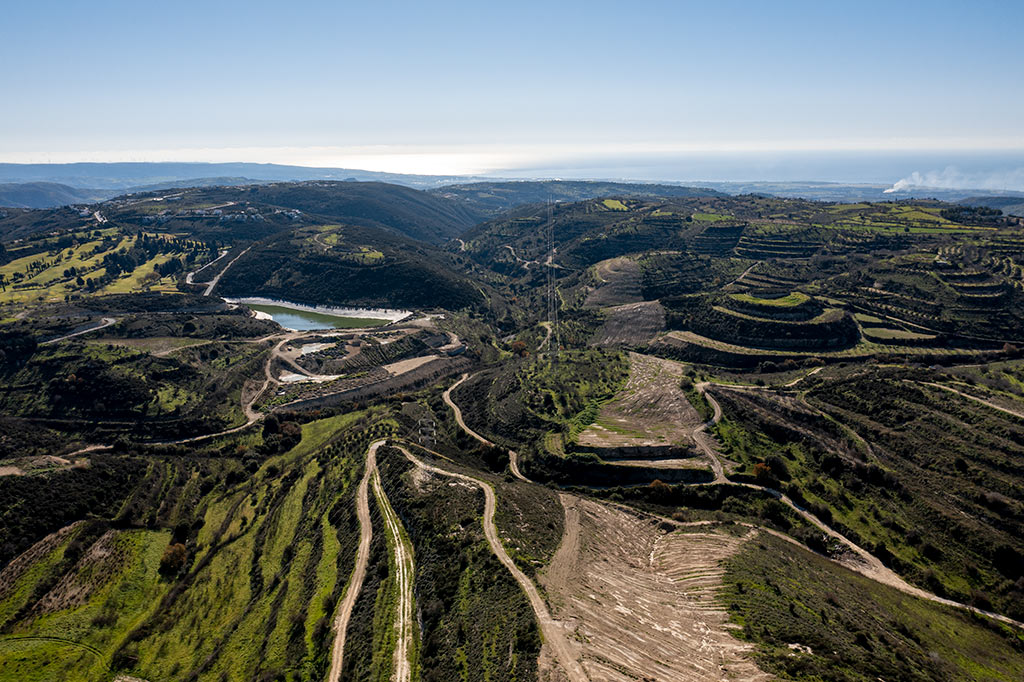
(761, 439)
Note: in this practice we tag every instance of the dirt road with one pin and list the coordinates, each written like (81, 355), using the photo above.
(704, 441)
(525, 263)
(458, 413)
(864, 562)
(861, 561)
(553, 632)
(547, 336)
(405, 568)
(994, 406)
(355, 583)
(513, 456)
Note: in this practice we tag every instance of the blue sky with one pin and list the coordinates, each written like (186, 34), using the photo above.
(460, 86)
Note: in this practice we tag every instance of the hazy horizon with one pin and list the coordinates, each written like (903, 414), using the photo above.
(661, 92)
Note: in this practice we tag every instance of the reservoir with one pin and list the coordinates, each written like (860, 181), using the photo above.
(300, 317)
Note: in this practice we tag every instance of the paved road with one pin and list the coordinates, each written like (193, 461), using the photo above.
(215, 280)
(104, 323)
(190, 277)
(355, 583)
(553, 632)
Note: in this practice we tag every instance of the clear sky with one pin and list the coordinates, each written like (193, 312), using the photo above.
(478, 86)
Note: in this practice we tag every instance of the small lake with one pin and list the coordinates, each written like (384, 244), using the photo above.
(298, 317)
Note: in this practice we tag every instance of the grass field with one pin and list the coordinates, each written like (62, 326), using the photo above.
(711, 217)
(790, 300)
(896, 334)
(41, 276)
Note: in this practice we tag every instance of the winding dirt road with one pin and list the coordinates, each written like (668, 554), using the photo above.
(863, 561)
(513, 456)
(704, 440)
(355, 583)
(447, 396)
(554, 634)
(987, 403)
(404, 568)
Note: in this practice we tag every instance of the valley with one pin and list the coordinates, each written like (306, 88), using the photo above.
(516, 431)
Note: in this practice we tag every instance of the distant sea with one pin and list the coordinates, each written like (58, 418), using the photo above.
(992, 171)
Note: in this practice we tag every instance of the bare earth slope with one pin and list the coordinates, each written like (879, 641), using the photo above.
(640, 603)
(632, 324)
(619, 282)
(650, 411)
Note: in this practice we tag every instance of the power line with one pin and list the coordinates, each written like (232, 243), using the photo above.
(552, 289)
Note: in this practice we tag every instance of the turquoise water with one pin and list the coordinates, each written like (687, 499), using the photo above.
(303, 320)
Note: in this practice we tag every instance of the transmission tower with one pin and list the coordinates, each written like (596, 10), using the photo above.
(553, 302)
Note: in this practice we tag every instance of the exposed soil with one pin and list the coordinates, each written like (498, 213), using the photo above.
(633, 324)
(556, 646)
(619, 282)
(650, 411)
(24, 561)
(641, 603)
(103, 560)
(404, 568)
(355, 583)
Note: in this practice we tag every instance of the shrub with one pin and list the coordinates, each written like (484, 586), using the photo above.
(173, 559)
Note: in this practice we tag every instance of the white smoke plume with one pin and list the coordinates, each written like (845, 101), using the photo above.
(952, 178)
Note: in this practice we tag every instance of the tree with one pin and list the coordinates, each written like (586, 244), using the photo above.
(173, 559)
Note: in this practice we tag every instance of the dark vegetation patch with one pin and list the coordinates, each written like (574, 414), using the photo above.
(476, 622)
(32, 507)
(532, 519)
(856, 629)
(292, 267)
(934, 494)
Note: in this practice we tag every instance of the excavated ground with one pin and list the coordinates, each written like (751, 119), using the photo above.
(639, 603)
(632, 324)
(651, 410)
(619, 282)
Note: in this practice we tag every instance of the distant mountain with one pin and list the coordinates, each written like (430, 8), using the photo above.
(223, 181)
(1010, 205)
(47, 195)
(125, 176)
(423, 216)
(494, 197)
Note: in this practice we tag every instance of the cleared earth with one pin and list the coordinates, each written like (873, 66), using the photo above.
(650, 411)
(639, 603)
